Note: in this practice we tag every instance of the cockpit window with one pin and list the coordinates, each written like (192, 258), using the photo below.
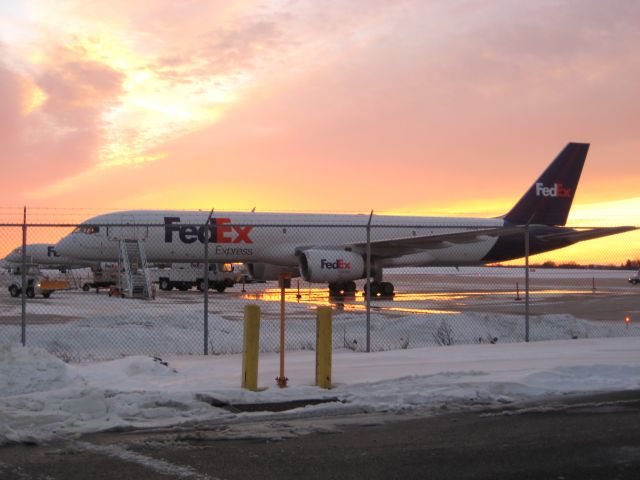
(87, 229)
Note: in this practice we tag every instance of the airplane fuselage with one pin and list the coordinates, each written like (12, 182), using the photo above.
(331, 248)
(45, 255)
(178, 236)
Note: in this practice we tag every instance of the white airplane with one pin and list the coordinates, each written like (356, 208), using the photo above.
(332, 248)
(45, 255)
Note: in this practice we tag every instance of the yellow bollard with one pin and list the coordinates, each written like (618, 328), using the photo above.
(251, 347)
(323, 347)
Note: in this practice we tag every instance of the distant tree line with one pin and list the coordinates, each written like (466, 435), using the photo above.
(628, 265)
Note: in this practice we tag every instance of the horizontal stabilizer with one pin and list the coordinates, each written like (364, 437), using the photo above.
(578, 235)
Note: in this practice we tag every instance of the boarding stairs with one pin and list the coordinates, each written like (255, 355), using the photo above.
(135, 280)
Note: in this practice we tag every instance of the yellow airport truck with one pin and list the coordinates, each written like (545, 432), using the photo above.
(37, 284)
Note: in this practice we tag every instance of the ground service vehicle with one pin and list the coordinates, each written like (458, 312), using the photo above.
(184, 276)
(37, 284)
(635, 279)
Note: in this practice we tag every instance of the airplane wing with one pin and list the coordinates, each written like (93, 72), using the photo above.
(403, 246)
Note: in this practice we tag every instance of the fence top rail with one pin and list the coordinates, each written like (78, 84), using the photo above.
(294, 225)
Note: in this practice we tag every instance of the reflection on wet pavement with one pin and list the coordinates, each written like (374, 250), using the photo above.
(437, 302)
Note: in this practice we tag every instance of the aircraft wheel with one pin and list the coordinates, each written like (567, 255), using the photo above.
(386, 289)
(338, 289)
(375, 289)
(14, 291)
(349, 286)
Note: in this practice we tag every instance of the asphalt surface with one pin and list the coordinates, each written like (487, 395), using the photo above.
(586, 437)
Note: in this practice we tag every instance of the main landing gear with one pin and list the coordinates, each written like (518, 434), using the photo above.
(341, 289)
(380, 290)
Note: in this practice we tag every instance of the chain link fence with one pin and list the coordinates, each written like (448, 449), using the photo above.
(87, 315)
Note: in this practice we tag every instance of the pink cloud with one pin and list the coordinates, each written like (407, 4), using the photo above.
(61, 137)
(411, 102)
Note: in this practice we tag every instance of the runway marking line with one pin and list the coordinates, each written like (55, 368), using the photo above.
(160, 466)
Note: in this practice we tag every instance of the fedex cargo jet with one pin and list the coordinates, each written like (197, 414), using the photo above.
(44, 255)
(333, 248)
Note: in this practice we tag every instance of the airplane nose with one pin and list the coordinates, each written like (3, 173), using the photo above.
(65, 246)
(13, 257)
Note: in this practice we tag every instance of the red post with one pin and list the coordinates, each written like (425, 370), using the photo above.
(282, 280)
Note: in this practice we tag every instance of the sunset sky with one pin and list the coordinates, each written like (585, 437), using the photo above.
(417, 107)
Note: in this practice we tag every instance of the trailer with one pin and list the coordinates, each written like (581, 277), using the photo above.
(105, 276)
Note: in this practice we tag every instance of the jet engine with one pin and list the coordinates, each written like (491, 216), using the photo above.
(331, 265)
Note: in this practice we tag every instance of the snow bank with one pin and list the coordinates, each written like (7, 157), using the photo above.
(41, 398)
(28, 370)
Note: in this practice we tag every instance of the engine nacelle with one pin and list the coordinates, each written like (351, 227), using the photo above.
(261, 272)
(331, 265)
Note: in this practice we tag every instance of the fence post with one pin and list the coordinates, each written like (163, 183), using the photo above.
(23, 335)
(251, 347)
(205, 280)
(526, 276)
(324, 344)
(368, 288)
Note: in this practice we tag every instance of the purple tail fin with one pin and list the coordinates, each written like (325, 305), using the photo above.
(549, 199)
